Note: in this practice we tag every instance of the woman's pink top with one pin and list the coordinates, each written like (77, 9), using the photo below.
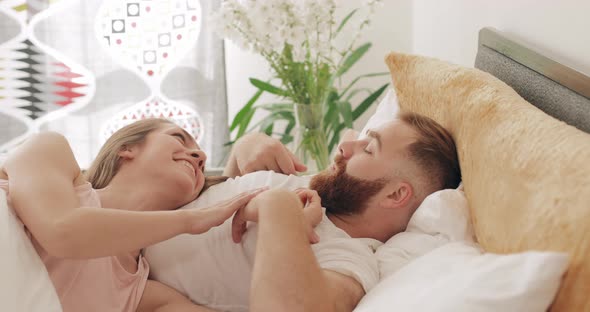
(99, 284)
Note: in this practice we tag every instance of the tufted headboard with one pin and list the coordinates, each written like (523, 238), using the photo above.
(556, 89)
(525, 173)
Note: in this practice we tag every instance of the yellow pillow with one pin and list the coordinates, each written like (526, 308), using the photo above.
(526, 175)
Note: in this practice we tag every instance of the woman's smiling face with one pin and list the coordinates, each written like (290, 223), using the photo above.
(172, 156)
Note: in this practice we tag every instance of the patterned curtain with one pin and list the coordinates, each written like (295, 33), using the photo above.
(85, 68)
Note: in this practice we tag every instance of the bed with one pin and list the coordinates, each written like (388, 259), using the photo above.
(526, 168)
(556, 89)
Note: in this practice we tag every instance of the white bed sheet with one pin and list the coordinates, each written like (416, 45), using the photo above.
(24, 282)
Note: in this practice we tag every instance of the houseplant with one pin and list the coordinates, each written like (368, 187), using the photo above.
(308, 53)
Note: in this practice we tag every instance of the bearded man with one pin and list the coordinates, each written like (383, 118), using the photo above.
(368, 195)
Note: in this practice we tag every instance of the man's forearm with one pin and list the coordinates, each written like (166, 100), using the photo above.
(286, 275)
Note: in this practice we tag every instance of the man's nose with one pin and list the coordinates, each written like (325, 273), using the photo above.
(346, 149)
(200, 157)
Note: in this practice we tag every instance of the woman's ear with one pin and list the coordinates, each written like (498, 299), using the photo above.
(399, 195)
(126, 152)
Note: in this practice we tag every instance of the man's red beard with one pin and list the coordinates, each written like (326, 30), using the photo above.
(343, 194)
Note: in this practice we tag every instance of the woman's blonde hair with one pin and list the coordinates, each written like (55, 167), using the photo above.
(106, 164)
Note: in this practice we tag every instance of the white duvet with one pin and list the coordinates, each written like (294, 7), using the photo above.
(420, 270)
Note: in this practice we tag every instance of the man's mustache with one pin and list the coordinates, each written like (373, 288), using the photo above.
(340, 163)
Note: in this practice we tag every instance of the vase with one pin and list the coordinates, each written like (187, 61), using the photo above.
(310, 139)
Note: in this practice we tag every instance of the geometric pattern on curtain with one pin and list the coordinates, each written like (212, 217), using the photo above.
(37, 84)
(60, 72)
(149, 39)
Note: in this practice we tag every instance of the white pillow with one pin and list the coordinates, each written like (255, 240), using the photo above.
(459, 277)
(386, 111)
(442, 217)
(24, 282)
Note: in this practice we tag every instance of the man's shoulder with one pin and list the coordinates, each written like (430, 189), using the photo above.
(352, 257)
(267, 178)
(234, 186)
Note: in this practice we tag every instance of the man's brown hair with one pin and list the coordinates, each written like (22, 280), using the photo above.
(434, 151)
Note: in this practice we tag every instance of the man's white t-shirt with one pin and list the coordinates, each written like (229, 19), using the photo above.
(214, 271)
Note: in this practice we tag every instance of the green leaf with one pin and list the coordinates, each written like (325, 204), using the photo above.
(265, 86)
(331, 118)
(290, 126)
(268, 129)
(359, 78)
(286, 136)
(239, 118)
(276, 107)
(344, 21)
(272, 118)
(333, 96)
(346, 113)
(366, 103)
(354, 92)
(245, 122)
(286, 139)
(336, 137)
(353, 58)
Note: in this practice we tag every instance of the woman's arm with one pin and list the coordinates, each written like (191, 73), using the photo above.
(158, 297)
(42, 175)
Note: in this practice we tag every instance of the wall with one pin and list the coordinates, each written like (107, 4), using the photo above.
(390, 30)
(445, 29)
(448, 29)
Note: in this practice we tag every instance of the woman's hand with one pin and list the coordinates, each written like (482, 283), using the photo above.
(312, 211)
(202, 220)
(257, 151)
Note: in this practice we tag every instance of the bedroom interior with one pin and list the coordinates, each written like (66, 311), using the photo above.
(513, 89)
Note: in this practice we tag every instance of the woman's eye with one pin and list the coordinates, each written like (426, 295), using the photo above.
(180, 136)
(368, 152)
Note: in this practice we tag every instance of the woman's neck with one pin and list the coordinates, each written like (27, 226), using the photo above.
(134, 195)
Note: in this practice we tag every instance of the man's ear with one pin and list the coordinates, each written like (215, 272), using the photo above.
(126, 152)
(399, 195)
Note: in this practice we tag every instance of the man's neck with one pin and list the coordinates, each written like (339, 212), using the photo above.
(358, 226)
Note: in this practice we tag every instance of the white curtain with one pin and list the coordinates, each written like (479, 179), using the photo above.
(86, 67)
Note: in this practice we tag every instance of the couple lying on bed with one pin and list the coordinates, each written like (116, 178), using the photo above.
(90, 236)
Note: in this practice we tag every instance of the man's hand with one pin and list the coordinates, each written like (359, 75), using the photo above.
(257, 151)
(310, 202)
(312, 211)
(286, 275)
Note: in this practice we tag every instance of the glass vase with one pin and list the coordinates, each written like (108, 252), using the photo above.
(310, 140)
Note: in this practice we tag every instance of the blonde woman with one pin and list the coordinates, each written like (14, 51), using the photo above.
(89, 229)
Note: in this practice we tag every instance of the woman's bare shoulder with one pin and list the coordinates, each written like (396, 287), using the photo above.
(45, 151)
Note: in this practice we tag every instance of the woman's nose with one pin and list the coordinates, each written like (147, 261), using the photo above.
(200, 157)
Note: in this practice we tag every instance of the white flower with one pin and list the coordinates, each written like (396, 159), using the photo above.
(308, 26)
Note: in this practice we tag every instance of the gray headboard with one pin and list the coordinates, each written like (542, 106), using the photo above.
(552, 87)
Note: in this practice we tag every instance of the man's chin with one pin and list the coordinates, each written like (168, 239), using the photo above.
(342, 193)
(325, 174)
